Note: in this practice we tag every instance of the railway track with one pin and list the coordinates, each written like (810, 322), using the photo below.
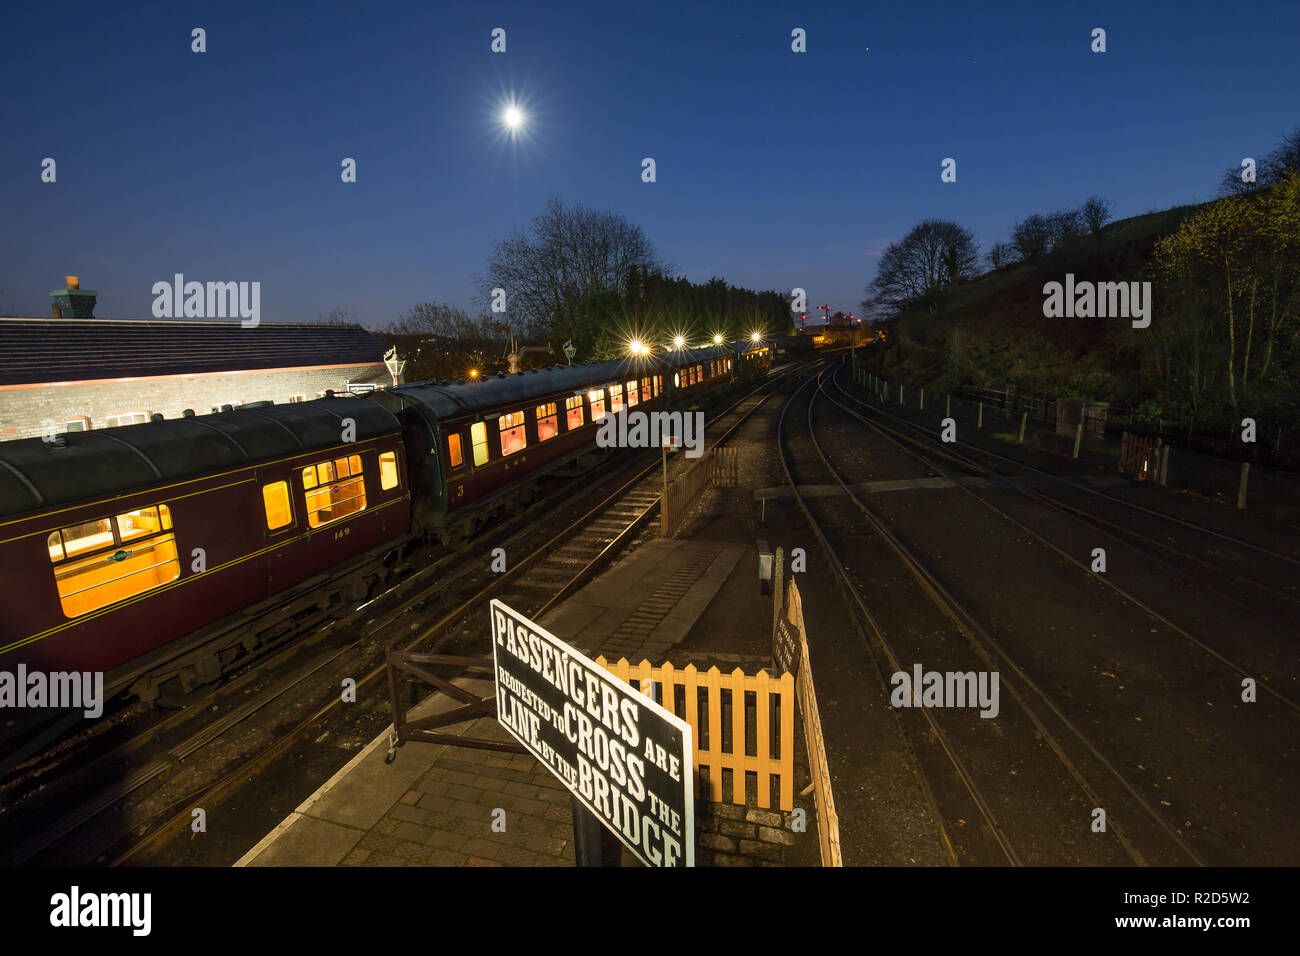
(1264, 610)
(1062, 768)
(543, 568)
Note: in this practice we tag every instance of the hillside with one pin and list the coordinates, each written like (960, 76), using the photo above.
(992, 332)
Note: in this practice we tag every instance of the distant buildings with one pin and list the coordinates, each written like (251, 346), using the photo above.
(74, 372)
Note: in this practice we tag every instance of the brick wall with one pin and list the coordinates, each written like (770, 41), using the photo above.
(22, 410)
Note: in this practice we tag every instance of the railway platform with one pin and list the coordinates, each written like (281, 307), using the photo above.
(435, 804)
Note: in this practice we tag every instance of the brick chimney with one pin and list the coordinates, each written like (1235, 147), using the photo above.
(73, 302)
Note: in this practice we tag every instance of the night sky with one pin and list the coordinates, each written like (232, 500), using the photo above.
(774, 169)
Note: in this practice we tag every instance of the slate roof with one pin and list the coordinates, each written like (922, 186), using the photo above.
(35, 351)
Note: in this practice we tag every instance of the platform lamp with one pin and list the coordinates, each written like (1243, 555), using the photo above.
(395, 365)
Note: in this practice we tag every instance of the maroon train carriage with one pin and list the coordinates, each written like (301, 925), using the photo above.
(482, 445)
(159, 552)
(114, 543)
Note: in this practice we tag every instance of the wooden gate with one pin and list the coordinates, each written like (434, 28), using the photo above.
(730, 715)
(1137, 455)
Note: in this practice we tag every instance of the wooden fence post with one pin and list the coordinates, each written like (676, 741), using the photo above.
(1241, 486)
(1024, 420)
(1078, 438)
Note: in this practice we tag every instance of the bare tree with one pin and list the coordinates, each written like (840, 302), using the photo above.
(919, 267)
(439, 340)
(1096, 212)
(1066, 225)
(567, 254)
(1271, 169)
(1032, 237)
(1001, 254)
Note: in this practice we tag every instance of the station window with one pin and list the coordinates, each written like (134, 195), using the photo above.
(454, 457)
(93, 568)
(597, 398)
(513, 438)
(78, 424)
(333, 490)
(275, 498)
(573, 412)
(547, 423)
(125, 418)
(645, 390)
(616, 398)
(300, 397)
(632, 398)
(478, 438)
(388, 469)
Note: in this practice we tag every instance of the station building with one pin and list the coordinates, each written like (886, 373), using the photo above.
(74, 372)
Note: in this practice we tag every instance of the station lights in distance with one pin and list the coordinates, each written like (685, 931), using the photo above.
(717, 339)
(679, 342)
(755, 337)
(637, 347)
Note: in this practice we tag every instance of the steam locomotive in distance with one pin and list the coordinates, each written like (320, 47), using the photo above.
(159, 553)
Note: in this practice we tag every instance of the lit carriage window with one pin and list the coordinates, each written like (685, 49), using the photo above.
(645, 390)
(616, 398)
(659, 381)
(138, 524)
(597, 398)
(547, 424)
(573, 412)
(388, 470)
(631, 393)
(275, 497)
(512, 432)
(309, 478)
(454, 457)
(94, 566)
(88, 537)
(478, 438)
(337, 493)
(677, 380)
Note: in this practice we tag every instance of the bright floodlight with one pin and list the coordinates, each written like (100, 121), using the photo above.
(513, 117)
(638, 347)
(717, 339)
(755, 337)
(678, 341)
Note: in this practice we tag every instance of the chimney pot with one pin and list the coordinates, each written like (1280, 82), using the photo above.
(74, 302)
